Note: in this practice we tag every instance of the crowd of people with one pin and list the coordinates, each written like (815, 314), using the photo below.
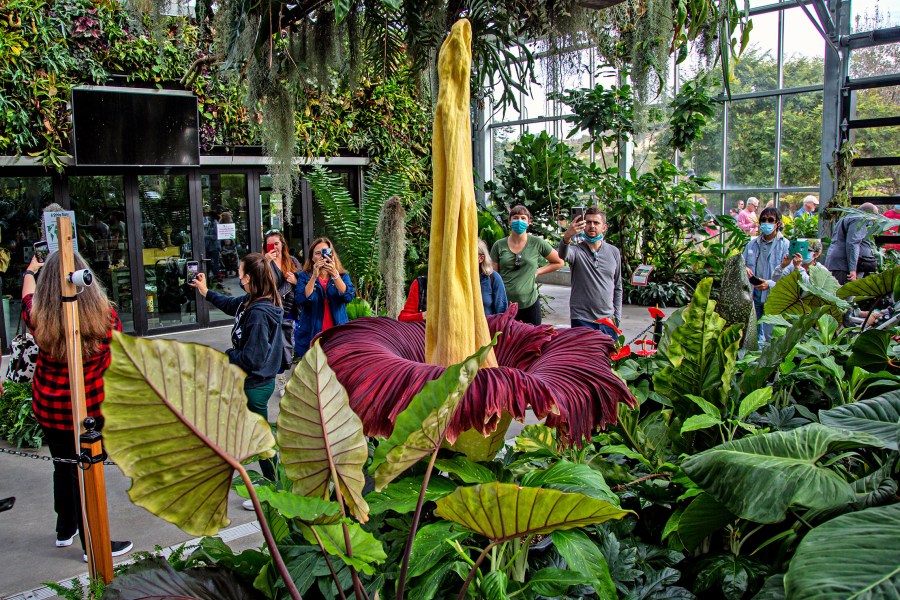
(286, 304)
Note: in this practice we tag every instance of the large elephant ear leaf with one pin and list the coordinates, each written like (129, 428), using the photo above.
(870, 287)
(759, 478)
(878, 416)
(320, 437)
(421, 428)
(177, 424)
(870, 352)
(155, 578)
(851, 556)
(505, 511)
(791, 296)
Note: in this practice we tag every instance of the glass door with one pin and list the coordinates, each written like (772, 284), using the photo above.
(165, 218)
(99, 205)
(226, 233)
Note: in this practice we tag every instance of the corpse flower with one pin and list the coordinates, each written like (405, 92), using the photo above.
(563, 376)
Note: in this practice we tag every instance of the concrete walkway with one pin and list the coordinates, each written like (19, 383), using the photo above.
(29, 554)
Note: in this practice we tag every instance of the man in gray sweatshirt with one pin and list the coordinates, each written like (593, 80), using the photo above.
(596, 269)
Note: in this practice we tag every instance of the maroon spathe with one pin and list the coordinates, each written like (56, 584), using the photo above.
(563, 375)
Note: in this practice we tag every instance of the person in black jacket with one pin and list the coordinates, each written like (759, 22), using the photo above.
(256, 337)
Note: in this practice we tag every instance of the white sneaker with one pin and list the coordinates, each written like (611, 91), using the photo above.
(118, 549)
(248, 504)
(62, 543)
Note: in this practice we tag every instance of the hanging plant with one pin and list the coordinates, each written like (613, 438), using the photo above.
(691, 108)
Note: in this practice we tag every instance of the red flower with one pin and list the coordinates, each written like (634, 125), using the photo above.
(608, 322)
(645, 351)
(622, 352)
(656, 313)
(563, 376)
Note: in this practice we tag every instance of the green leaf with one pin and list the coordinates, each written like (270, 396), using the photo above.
(583, 556)
(877, 285)
(706, 407)
(320, 437)
(427, 587)
(759, 478)
(466, 469)
(432, 545)
(341, 9)
(367, 551)
(791, 296)
(494, 585)
(879, 417)
(702, 355)
(423, 425)
(772, 589)
(870, 351)
(505, 511)
(552, 582)
(699, 422)
(292, 506)
(402, 496)
(850, 556)
(176, 423)
(392, 4)
(702, 517)
(569, 477)
(754, 401)
(155, 578)
(537, 439)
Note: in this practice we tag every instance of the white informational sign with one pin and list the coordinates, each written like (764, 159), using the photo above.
(641, 275)
(50, 233)
(226, 231)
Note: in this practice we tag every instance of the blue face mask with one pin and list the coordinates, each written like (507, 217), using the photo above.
(767, 228)
(519, 226)
(594, 240)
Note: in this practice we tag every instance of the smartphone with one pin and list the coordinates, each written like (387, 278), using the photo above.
(191, 268)
(800, 247)
(577, 211)
(270, 247)
(41, 250)
(326, 253)
(754, 280)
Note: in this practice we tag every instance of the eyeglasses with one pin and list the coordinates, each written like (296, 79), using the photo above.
(272, 232)
(768, 220)
(518, 262)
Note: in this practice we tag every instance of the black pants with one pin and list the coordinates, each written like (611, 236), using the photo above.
(530, 314)
(66, 496)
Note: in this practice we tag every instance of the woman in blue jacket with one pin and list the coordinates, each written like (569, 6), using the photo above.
(323, 291)
(256, 337)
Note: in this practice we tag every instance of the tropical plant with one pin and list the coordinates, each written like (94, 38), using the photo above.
(542, 173)
(17, 422)
(691, 108)
(352, 227)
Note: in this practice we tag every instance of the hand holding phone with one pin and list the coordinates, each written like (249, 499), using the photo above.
(192, 268)
(754, 280)
(270, 247)
(41, 251)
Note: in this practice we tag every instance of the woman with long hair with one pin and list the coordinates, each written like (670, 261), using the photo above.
(284, 268)
(516, 257)
(323, 291)
(256, 339)
(42, 310)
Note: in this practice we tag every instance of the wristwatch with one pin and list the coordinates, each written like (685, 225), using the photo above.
(29, 272)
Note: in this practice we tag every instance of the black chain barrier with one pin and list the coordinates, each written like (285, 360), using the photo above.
(649, 327)
(70, 461)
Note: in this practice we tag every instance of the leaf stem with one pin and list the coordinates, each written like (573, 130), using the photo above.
(401, 582)
(334, 576)
(267, 534)
(462, 592)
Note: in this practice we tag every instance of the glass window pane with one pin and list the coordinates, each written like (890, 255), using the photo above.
(878, 102)
(714, 203)
(867, 15)
(876, 181)
(502, 139)
(804, 50)
(705, 157)
(878, 142)
(879, 60)
(801, 140)
(751, 143)
(790, 203)
(166, 228)
(99, 205)
(650, 146)
(758, 68)
(735, 202)
(22, 200)
(225, 201)
(576, 142)
(535, 103)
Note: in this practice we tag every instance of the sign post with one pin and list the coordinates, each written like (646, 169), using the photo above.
(91, 480)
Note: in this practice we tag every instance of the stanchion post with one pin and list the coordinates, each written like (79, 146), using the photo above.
(91, 481)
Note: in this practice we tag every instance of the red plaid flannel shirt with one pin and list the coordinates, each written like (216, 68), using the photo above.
(51, 399)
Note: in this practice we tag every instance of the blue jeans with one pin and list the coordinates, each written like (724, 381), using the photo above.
(597, 327)
(763, 330)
